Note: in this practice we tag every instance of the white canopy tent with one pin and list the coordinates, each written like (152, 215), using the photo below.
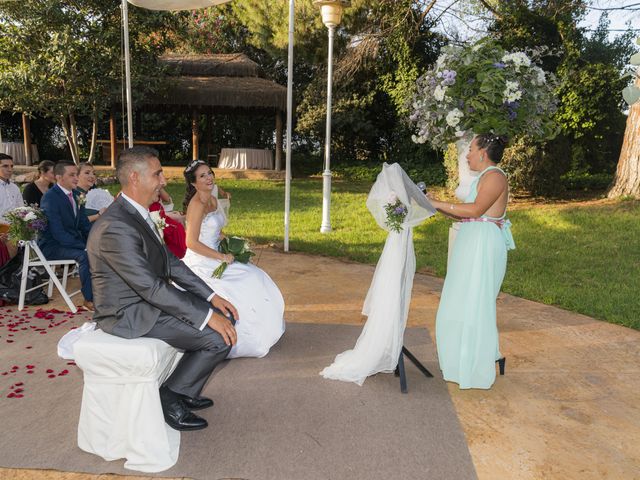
(192, 5)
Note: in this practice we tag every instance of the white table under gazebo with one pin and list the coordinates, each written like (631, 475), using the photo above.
(246, 158)
(16, 151)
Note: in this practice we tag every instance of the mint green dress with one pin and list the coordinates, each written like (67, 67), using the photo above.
(466, 329)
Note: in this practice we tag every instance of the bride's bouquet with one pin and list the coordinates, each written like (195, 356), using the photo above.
(238, 247)
(482, 88)
(25, 223)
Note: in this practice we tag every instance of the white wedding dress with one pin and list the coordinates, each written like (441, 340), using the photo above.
(256, 297)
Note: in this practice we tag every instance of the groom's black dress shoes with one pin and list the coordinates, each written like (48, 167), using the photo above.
(197, 403)
(177, 414)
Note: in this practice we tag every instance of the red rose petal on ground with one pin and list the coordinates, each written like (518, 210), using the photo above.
(19, 384)
(43, 332)
(29, 371)
(71, 363)
(9, 341)
(19, 390)
(11, 395)
(63, 372)
(19, 396)
(30, 366)
(51, 376)
(28, 347)
(5, 373)
(49, 370)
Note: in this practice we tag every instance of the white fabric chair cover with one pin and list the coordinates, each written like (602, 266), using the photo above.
(387, 302)
(121, 415)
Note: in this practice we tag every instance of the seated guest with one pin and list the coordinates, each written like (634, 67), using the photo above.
(67, 226)
(32, 193)
(174, 234)
(86, 181)
(10, 198)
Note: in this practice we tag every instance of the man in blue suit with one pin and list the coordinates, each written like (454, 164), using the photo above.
(67, 226)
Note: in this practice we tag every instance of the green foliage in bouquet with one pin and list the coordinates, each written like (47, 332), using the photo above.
(482, 88)
(238, 247)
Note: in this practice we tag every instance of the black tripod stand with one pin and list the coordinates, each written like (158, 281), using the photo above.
(399, 372)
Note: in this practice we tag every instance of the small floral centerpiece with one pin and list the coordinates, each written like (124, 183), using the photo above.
(396, 211)
(482, 88)
(25, 223)
(238, 247)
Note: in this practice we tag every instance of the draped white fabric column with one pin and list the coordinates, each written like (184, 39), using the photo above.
(387, 302)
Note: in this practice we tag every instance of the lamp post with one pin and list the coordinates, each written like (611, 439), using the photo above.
(331, 11)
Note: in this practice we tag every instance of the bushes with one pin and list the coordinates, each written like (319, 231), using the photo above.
(430, 174)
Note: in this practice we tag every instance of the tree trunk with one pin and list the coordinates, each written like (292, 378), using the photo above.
(94, 136)
(627, 180)
(74, 138)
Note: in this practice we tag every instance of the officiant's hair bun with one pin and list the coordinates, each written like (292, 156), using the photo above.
(494, 144)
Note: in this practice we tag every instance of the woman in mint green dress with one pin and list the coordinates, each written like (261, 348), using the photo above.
(466, 329)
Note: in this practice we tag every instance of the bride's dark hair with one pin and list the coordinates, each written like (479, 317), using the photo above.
(190, 177)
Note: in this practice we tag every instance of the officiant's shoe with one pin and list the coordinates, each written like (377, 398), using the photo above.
(196, 403)
(176, 413)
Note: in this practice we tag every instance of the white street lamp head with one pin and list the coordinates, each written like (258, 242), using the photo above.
(331, 11)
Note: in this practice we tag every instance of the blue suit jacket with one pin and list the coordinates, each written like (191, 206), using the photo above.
(64, 229)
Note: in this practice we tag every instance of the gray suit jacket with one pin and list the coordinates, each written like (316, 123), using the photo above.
(131, 272)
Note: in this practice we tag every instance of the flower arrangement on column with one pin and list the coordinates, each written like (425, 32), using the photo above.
(483, 88)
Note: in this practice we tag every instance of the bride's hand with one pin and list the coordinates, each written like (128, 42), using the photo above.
(228, 258)
(225, 307)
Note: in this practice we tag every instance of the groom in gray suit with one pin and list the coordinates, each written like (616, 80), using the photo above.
(132, 274)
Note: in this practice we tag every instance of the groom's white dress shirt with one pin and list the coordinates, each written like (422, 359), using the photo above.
(144, 212)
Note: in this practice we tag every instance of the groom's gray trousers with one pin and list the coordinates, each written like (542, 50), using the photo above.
(203, 351)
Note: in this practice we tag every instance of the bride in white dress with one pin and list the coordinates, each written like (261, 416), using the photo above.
(256, 297)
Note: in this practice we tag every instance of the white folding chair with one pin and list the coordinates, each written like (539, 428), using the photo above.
(49, 266)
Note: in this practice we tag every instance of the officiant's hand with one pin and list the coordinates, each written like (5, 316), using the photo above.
(224, 327)
(225, 307)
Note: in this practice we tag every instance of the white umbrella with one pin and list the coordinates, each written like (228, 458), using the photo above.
(190, 5)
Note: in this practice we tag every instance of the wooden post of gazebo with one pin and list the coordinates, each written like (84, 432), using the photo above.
(26, 130)
(195, 133)
(112, 136)
(278, 165)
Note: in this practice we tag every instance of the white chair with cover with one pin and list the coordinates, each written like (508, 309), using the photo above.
(121, 414)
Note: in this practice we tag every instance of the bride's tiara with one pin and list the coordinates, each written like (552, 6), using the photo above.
(193, 165)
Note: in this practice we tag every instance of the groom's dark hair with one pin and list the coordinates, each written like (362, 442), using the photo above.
(134, 158)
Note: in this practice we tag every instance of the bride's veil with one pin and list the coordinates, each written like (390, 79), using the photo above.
(387, 302)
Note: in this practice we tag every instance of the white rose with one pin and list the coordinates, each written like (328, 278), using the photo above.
(30, 216)
(393, 198)
(439, 92)
(453, 117)
(155, 216)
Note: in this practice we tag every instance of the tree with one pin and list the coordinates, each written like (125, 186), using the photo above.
(627, 179)
(61, 59)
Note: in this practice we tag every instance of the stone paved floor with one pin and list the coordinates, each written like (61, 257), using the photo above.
(567, 407)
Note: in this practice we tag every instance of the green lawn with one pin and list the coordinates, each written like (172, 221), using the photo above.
(582, 257)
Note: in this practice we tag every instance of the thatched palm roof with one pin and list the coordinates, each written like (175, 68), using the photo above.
(218, 65)
(211, 81)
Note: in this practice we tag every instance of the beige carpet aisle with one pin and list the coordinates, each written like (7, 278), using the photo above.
(274, 418)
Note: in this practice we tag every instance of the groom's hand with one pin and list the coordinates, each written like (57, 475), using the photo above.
(225, 307)
(224, 327)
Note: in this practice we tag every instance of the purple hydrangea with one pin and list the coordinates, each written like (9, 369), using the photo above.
(448, 77)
